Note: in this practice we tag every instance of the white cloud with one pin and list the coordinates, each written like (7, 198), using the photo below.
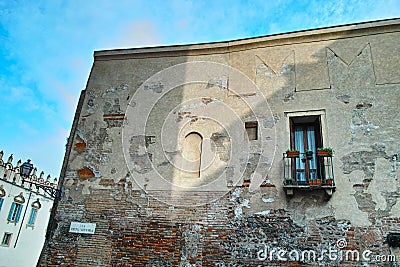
(137, 34)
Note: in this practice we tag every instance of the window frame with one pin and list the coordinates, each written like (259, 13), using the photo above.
(317, 130)
(321, 113)
(323, 136)
(304, 123)
(9, 235)
(15, 212)
(197, 147)
(249, 125)
(32, 217)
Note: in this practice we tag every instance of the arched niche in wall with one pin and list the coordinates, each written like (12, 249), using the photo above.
(191, 152)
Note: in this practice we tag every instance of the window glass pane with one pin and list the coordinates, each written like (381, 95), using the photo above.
(299, 145)
(252, 130)
(32, 217)
(311, 146)
(11, 213)
(1, 202)
(18, 212)
(6, 239)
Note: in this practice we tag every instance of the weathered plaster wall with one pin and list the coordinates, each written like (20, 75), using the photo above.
(113, 172)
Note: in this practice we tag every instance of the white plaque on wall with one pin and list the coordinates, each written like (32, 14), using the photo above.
(82, 228)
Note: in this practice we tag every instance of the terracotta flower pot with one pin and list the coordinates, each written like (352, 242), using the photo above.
(323, 153)
(292, 154)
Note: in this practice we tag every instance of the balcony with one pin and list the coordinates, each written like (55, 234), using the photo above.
(308, 171)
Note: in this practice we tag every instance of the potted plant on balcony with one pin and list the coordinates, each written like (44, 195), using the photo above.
(288, 181)
(309, 154)
(292, 153)
(325, 152)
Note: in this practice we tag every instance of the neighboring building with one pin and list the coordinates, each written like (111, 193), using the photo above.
(177, 155)
(24, 214)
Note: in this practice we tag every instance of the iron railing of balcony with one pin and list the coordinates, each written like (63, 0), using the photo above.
(308, 169)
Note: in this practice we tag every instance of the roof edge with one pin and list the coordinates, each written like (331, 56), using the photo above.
(224, 45)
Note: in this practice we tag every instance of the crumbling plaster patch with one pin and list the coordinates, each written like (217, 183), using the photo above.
(309, 206)
(374, 193)
(221, 82)
(240, 202)
(359, 122)
(221, 143)
(363, 160)
(113, 90)
(345, 205)
(74, 193)
(91, 105)
(156, 87)
(85, 173)
(192, 239)
(80, 144)
(140, 157)
(382, 183)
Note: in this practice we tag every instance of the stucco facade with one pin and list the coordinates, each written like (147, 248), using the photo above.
(24, 214)
(177, 154)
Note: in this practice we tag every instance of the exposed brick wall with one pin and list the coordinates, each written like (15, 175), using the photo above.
(131, 233)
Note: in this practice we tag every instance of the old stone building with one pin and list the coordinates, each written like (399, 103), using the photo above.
(177, 155)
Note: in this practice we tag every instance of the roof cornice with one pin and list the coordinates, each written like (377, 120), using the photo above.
(304, 36)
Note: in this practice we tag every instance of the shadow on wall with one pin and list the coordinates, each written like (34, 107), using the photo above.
(336, 80)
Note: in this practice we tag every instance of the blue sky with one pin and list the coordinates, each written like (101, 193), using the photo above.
(46, 50)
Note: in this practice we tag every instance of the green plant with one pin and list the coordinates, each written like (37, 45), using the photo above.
(291, 150)
(309, 154)
(327, 149)
(288, 181)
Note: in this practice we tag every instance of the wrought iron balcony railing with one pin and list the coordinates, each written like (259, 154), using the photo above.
(308, 170)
